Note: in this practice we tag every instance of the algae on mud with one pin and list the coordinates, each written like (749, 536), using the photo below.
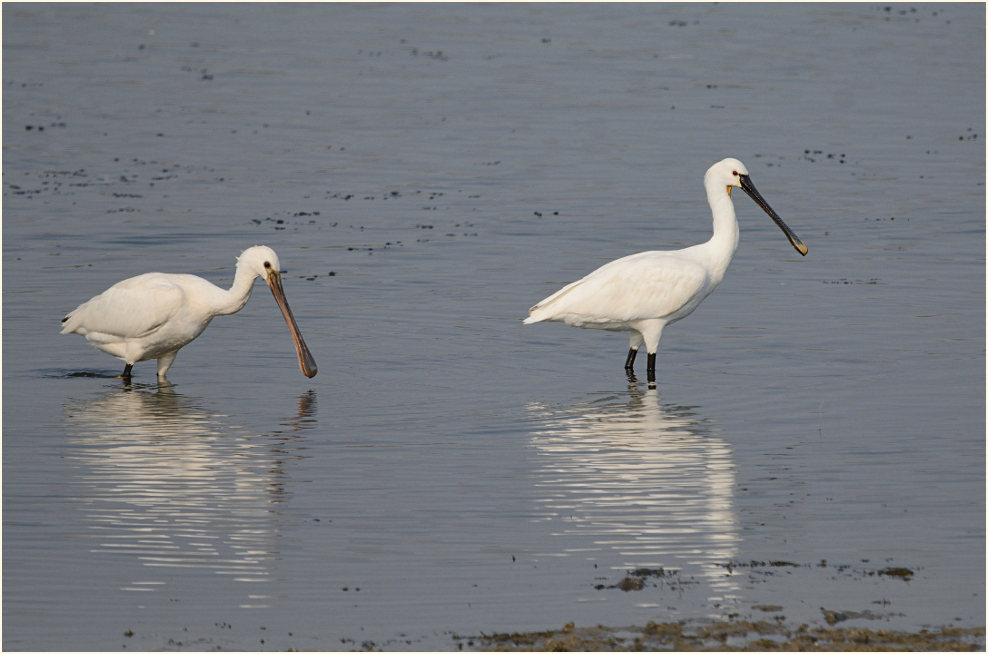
(745, 635)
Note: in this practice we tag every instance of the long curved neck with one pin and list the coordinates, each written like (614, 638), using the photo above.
(724, 242)
(233, 300)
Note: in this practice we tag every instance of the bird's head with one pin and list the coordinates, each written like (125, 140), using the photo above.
(262, 261)
(726, 173)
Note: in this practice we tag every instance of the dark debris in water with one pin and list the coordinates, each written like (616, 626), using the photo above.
(640, 579)
(420, 199)
(874, 281)
(636, 579)
(131, 175)
(902, 573)
(832, 617)
(813, 155)
(295, 220)
(913, 13)
(313, 277)
(858, 570)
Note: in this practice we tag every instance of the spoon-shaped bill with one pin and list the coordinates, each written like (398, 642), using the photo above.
(750, 189)
(305, 360)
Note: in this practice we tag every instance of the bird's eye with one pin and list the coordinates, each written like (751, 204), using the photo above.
(267, 264)
(734, 172)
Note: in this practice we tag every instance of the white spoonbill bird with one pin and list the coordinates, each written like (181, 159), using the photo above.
(153, 315)
(642, 293)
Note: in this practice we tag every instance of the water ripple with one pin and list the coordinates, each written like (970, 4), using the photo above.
(641, 478)
(174, 486)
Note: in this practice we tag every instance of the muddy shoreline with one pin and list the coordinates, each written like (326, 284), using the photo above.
(744, 635)
(757, 627)
(842, 630)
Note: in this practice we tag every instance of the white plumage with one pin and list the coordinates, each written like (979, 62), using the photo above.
(151, 316)
(642, 293)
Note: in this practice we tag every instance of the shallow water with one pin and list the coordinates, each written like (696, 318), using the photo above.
(426, 173)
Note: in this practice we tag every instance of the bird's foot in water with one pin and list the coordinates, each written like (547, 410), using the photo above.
(633, 380)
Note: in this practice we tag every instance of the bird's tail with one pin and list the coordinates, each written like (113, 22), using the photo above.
(532, 317)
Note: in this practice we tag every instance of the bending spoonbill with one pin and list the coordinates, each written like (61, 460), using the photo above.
(644, 292)
(153, 315)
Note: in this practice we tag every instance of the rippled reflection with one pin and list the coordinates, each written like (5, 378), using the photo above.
(178, 487)
(647, 480)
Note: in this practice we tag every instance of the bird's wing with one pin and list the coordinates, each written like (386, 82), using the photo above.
(132, 308)
(637, 287)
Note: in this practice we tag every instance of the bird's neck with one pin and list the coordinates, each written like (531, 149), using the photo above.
(724, 242)
(234, 299)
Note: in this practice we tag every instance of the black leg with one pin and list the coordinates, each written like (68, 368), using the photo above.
(127, 369)
(651, 368)
(629, 363)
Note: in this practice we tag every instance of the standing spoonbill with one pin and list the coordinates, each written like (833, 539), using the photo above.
(153, 315)
(642, 293)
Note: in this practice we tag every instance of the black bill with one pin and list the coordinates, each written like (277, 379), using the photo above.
(750, 189)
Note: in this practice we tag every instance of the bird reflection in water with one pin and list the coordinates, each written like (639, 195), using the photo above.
(176, 486)
(648, 481)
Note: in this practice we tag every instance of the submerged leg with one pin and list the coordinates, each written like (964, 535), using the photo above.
(635, 342)
(650, 371)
